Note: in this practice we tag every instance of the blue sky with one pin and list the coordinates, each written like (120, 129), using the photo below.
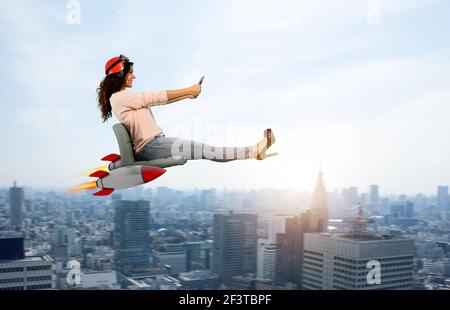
(368, 101)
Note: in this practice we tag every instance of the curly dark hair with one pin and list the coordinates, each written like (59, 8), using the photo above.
(108, 86)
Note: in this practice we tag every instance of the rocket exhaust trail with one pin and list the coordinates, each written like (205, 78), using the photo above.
(82, 187)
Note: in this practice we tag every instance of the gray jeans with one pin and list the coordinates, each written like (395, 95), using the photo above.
(164, 147)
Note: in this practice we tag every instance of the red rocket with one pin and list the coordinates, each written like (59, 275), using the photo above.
(123, 177)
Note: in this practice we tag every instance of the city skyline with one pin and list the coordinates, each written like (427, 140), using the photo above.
(365, 189)
(208, 239)
(339, 87)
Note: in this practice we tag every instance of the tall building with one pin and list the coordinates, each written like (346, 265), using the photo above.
(235, 239)
(16, 201)
(374, 196)
(289, 251)
(319, 203)
(62, 243)
(351, 260)
(442, 197)
(409, 209)
(131, 235)
(262, 243)
(20, 272)
(269, 262)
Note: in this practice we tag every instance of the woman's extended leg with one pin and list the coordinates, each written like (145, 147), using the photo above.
(164, 147)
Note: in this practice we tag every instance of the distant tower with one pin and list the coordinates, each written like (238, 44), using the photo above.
(442, 197)
(374, 196)
(319, 203)
(16, 200)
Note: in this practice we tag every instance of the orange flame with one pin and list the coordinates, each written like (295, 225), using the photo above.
(83, 187)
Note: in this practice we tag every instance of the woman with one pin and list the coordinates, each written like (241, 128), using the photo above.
(149, 142)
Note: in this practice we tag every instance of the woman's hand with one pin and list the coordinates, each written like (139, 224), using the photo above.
(184, 93)
(195, 90)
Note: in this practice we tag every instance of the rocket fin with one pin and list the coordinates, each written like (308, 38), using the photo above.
(104, 192)
(99, 174)
(111, 157)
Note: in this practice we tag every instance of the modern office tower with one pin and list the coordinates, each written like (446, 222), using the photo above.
(289, 252)
(175, 261)
(199, 280)
(319, 203)
(409, 210)
(442, 197)
(374, 196)
(20, 272)
(262, 243)
(269, 262)
(16, 201)
(352, 260)
(235, 239)
(62, 243)
(131, 235)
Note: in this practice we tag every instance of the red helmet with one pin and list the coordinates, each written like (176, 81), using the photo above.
(116, 65)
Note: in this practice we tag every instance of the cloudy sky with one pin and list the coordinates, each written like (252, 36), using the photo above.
(359, 87)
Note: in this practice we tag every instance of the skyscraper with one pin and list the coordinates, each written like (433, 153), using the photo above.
(269, 262)
(16, 200)
(374, 196)
(131, 235)
(319, 203)
(62, 243)
(289, 252)
(442, 197)
(262, 243)
(234, 237)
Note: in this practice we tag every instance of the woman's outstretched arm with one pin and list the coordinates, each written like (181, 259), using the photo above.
(184, 93)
